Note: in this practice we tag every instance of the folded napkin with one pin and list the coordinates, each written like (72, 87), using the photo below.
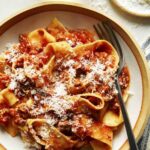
(144, 142)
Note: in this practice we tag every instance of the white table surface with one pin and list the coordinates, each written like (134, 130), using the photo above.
(138, 27)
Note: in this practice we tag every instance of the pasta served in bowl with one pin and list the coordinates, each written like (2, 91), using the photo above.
(57, 89)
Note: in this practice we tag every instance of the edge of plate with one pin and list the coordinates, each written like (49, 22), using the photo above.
(116, 3)
(79, 8)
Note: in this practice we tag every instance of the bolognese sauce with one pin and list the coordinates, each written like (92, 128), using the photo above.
(63, 96)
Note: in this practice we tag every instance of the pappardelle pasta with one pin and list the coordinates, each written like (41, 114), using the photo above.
(57, 89)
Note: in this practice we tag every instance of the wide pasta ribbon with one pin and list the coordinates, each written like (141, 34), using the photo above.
(58, 48)
(39, 36)
(97, 46)
(112, 119)
(48, 136)
(101, 134)
(57, 25)
(8, 98)
(7, 95)
(54, 50)
(95, 100)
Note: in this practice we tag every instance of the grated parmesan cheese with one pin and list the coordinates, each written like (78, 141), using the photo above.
(98, 67)
(44, 131)
(70, 42)
(60, 89)
(89, 122)
(33, 92)
(20, 74)
(68, 63)
(85, 62)
(72, 72)
(13, 53)
(59, 105)
(50, 120)
(30, 71)
(99, 72)
(115, 91)
(13, 85)
(37, 111)
(36, 98)
(15, 78)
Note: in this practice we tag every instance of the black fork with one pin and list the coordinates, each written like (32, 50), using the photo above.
(105, 31)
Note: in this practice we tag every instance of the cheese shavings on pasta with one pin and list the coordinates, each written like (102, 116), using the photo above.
(57, 89)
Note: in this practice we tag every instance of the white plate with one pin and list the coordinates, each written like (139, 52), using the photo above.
(134, 7)
(74, 20)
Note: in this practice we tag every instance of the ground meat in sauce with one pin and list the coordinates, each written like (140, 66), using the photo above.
(124, 78)
(75, 130)
(4, 81)
(73, 37)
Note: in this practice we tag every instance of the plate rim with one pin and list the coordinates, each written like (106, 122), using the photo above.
(127, 37)
(116, 3)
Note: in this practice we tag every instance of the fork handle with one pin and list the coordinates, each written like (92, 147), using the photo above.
(131, 139)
